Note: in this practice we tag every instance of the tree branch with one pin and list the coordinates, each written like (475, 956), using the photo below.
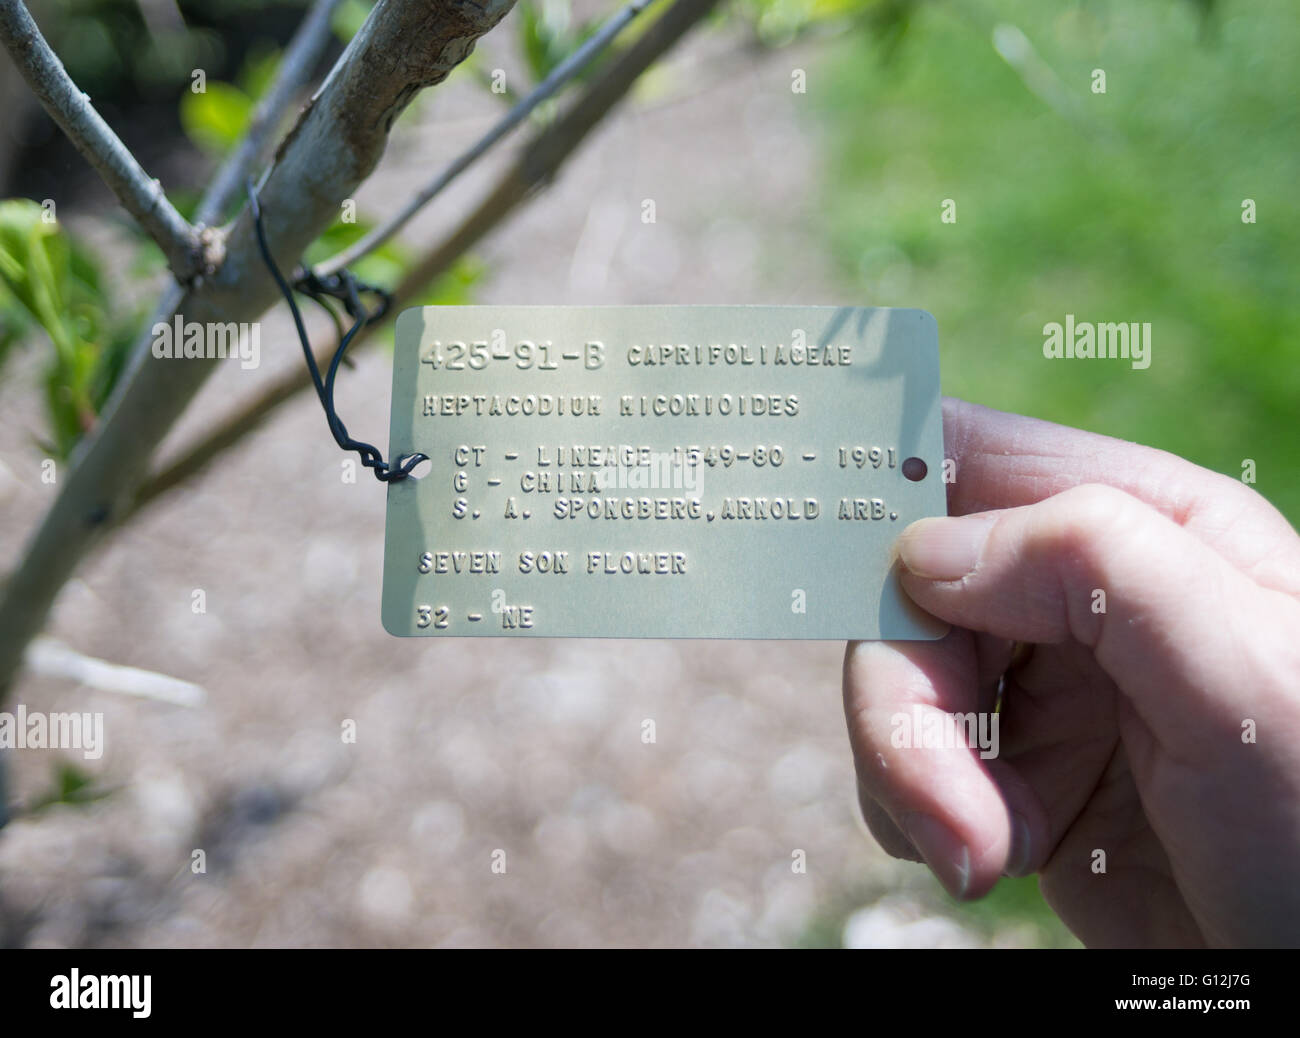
(560, 75)
(404, 46)
(300, 57)
(232, 429)
(541, 160)
(140, 195)
(544, 156)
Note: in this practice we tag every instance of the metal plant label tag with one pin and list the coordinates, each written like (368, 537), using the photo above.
(661, 471)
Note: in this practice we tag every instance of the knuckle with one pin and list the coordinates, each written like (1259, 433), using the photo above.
(1084, 518)
(1086, 525)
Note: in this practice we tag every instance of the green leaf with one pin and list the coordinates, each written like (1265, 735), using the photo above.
(455, 287)
(384, 266)
(349, 16)
(779, 22)
(259, 69)
(70, 786)
(45, 280)
(14, 322)
(34, 266)
(547, 38)
(215, 119)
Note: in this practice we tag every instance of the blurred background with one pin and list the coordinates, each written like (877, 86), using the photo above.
(797, 151)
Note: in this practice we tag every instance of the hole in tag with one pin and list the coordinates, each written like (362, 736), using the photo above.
(915, 469)
(421, 470)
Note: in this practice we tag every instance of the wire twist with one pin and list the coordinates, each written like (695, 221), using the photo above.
(343, 286)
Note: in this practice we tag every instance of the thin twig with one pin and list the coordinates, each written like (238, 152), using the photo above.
(68, 106)
(540, 161)
(52, 658)
(560, 75)
(300, 57)
(544, 156)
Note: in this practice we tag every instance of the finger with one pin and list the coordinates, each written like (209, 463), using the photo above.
(1161, 612)
(1060, 729)
(884, 829)
(970, 821)
(1007, 460)
(1136, 901)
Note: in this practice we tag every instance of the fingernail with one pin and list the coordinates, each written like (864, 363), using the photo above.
(944, 548)
(947, 856)
(1019, 852)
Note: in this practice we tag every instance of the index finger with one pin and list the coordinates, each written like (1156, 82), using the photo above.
(1007, 460)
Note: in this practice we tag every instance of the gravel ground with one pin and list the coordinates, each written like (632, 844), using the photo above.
(464, 748)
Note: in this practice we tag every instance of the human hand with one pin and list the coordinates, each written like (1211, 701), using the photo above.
(1163, 732)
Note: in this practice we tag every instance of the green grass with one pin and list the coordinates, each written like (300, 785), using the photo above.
(1125, 206)
(1117, 207)
(1013, 913)
(1018, 904)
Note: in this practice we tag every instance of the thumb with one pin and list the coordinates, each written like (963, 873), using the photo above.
(1166, 617)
